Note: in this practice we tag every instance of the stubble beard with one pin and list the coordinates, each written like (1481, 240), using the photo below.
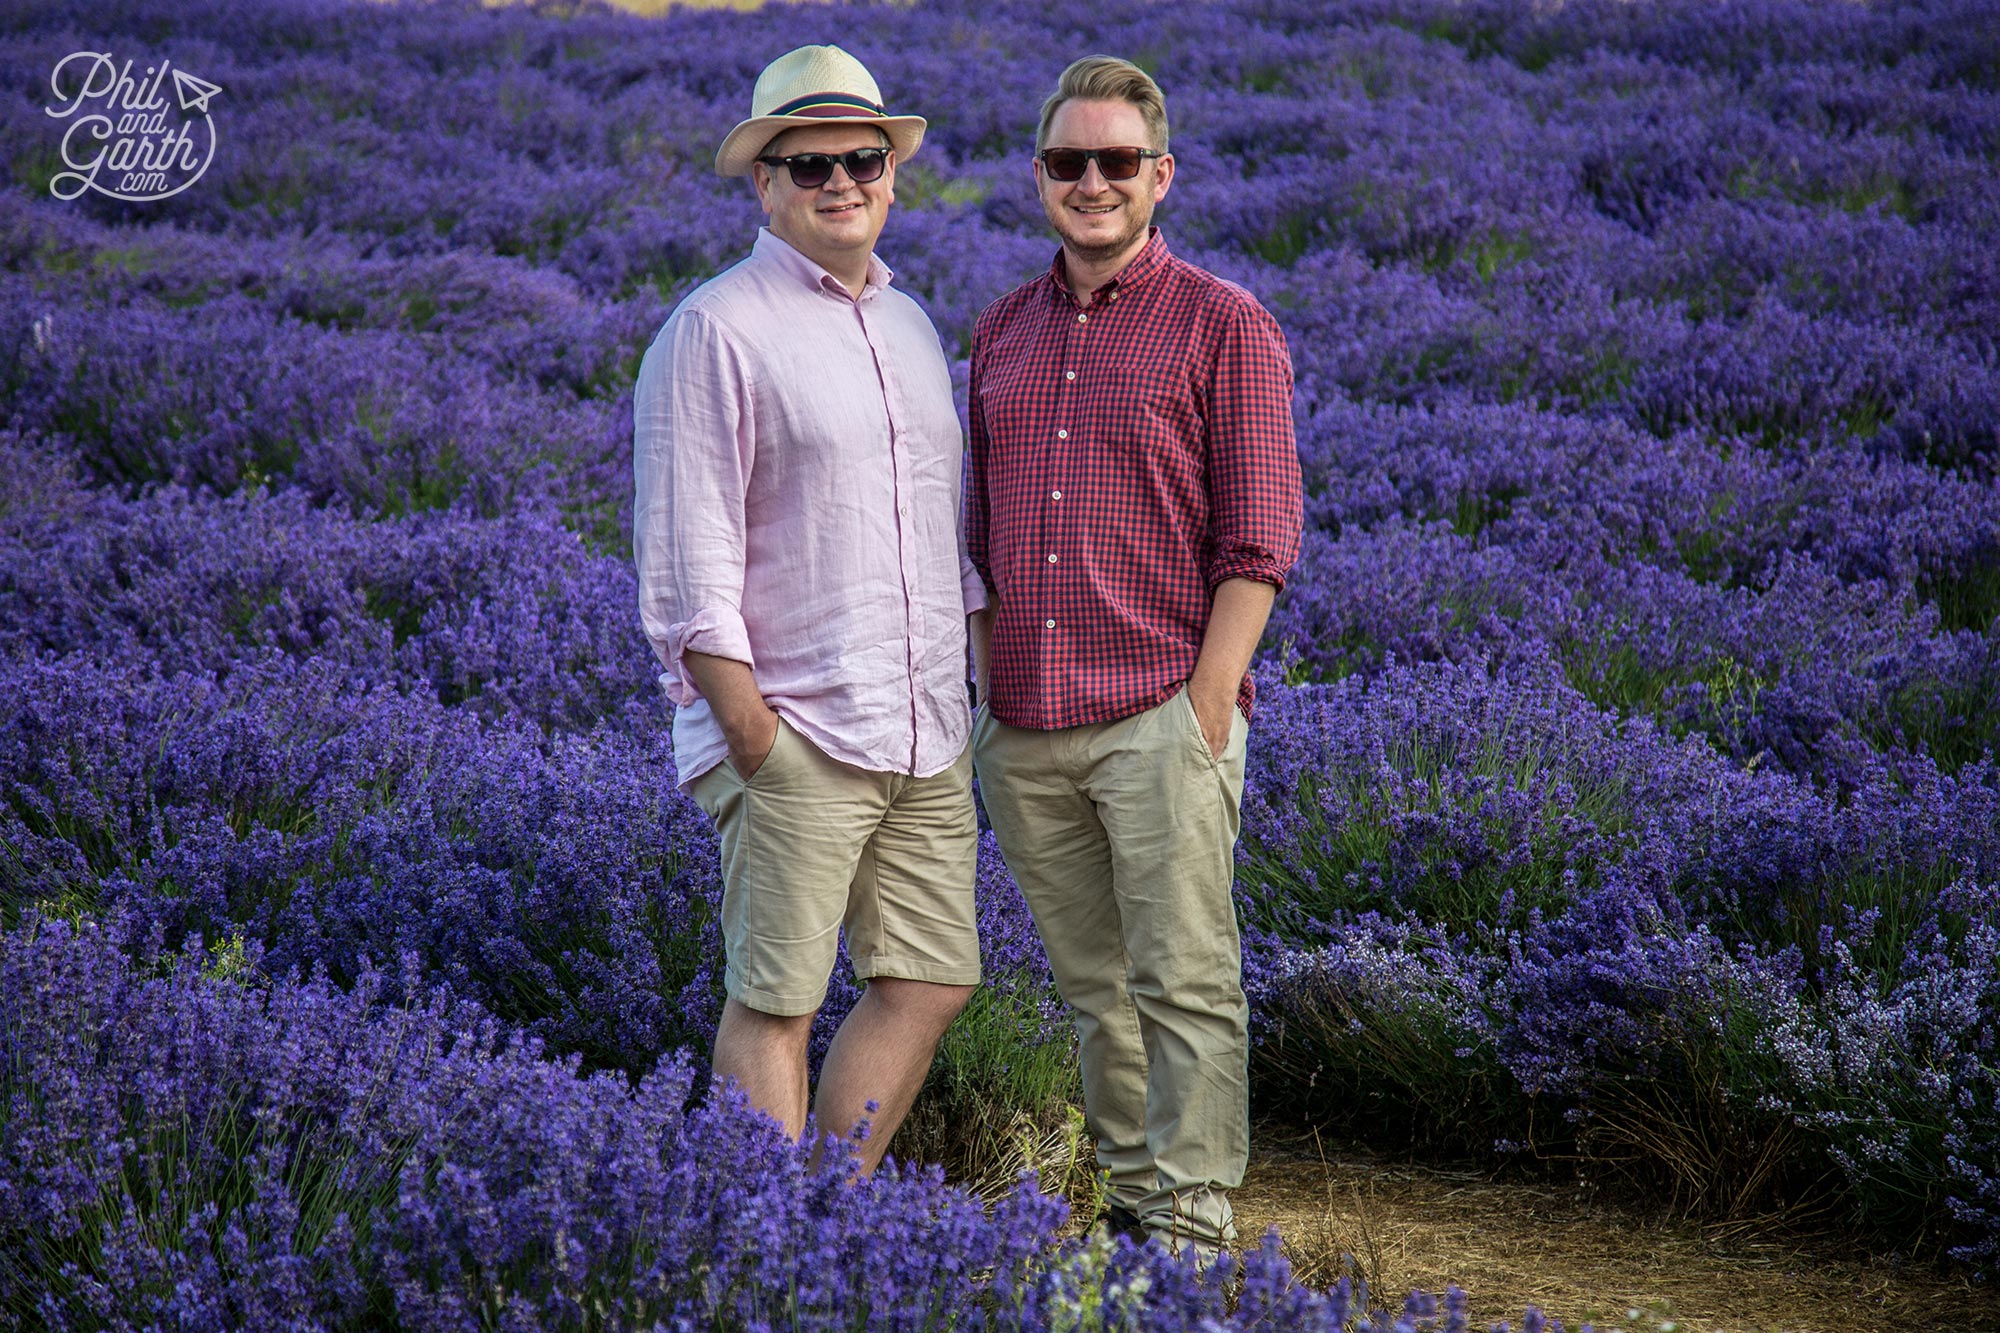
(1096, 251)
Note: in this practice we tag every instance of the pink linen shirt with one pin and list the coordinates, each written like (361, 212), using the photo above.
(798, 462)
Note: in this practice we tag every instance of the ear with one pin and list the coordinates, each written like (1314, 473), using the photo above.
(760, 176)
(1163, 176)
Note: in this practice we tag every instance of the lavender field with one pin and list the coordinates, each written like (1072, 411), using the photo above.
(1623, 788)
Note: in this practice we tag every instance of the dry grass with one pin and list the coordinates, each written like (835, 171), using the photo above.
(1561, 1248)
(988, 1156)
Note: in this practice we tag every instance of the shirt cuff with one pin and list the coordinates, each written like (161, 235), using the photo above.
(1246, 562)
(718, 631)
(974, 589)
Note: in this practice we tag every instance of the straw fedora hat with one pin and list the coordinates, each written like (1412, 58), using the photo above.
(814, 85)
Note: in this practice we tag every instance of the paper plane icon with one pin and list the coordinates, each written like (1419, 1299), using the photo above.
(194, 93)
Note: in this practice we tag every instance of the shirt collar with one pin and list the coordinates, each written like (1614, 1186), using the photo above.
(1152, 258)
(775, 250)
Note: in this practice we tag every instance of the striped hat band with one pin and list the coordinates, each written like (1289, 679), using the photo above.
(828, 104)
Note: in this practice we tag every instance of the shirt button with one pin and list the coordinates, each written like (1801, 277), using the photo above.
(1062, 435)
(1052, 560)
(1069, 374)
(1055, 495)
(1048, 624)
(1083, 319)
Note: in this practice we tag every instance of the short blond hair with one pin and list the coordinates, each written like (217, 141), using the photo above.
(1108, 79)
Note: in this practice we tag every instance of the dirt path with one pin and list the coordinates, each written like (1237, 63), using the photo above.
(1557, 1247)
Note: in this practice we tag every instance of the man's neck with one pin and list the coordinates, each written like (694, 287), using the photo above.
(849, 270)
(1087, 275)
(854, 277)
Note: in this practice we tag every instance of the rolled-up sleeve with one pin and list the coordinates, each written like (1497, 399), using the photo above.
(975, 522)
(1255, 498)
(692, 450)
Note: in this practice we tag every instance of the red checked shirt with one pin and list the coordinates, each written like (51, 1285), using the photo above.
(1127, 457)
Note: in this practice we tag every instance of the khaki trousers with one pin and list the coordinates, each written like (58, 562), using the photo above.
(1122, 835)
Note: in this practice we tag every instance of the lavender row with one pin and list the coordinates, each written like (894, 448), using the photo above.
(468, 338)
(1478, 896)
(1816, 610)
(263, 1156)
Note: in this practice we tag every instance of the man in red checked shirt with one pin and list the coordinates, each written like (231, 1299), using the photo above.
(1133, 506)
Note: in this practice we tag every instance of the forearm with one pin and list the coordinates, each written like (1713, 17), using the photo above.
(1235, 624)
(979, 628)
(747, 722)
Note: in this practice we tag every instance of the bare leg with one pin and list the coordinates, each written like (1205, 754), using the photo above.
(765, 1055)
(881, 1054)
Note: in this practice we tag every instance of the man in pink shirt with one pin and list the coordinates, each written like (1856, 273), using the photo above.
(801, 576)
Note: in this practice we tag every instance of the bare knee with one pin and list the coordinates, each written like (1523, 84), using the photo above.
(928, 1002)
(742, 1025)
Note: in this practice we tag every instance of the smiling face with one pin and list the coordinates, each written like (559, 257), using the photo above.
(1101, 221)
(836, 224)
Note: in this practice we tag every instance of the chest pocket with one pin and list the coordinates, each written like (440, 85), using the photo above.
(1148, 412)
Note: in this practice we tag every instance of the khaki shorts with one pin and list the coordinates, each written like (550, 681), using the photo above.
(810, 844)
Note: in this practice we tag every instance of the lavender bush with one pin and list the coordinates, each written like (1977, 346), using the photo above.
(1624, 781)
(189, 1145)
(252, 1155)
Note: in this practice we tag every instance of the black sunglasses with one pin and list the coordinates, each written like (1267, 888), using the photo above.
(1117, 164)
(812, 170)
